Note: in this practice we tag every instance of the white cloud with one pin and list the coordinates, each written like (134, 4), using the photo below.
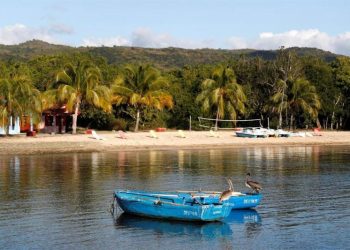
(342, 43)
(237, 43)
(59, 28)
(300, 38)
(144, 37)
(112, 41)
(19, 33)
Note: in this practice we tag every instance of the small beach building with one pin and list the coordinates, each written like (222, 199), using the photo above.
(13, 127)
(56, 120)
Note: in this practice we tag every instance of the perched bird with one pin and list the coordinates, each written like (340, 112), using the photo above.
(225, 195)
(252, 184)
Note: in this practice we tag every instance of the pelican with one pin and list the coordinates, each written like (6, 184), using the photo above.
(225, 195)
(252, 184)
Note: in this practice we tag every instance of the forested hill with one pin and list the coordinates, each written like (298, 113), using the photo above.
(163, 58)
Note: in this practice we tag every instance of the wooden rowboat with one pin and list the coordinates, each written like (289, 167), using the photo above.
(170, 206)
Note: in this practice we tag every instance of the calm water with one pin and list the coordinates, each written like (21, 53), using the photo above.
(61, 201)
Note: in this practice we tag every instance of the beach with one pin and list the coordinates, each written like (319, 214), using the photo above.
(112, 141)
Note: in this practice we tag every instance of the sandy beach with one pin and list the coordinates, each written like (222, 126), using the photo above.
(44, 143)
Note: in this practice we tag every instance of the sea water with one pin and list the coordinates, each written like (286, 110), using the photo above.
(61, 201)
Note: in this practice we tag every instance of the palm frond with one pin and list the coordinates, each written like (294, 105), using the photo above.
(221, 90)
(63, 77)
(141, 86)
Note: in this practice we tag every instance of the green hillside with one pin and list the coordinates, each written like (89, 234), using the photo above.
(162, 58)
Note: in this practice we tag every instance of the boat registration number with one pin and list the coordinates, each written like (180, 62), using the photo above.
(250, 201)
(193, 213)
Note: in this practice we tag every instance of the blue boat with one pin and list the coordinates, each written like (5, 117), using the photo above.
(170, 206)
(236, 201)
(251, 133)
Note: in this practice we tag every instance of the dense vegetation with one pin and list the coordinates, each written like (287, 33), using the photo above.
(124, 87)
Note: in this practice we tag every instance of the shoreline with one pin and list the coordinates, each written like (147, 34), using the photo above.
(141, 141)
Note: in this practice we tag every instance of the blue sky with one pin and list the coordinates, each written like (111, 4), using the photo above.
(229, 24)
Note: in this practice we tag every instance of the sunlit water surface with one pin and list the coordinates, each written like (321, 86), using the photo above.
(60, 201)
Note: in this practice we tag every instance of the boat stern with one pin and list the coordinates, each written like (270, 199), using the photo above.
(215, 212)
(245, 201)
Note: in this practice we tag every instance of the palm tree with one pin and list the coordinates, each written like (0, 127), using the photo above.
(223, 92)
(288, 68)
(280, 99)
(141, 86)
(18, 97)
(303, 97)
(78, 83)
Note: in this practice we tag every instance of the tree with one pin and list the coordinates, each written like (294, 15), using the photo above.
(288, 67)
(141, 86)
(320, 74)
(185, 86)
(78, 83)
(258, 77)
(303, 97)
(18, 97)
(223, 92)
(279, 99)
(341, 68)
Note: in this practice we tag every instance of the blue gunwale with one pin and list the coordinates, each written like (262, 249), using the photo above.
(239, 201)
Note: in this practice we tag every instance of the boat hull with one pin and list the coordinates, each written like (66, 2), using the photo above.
(251, 135)
(245, 135)
(168, 208)
(244, 201)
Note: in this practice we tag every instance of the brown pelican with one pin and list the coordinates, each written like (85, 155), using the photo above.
(225, 195)
(252, 184)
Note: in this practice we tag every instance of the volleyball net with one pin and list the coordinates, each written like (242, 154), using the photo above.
(209, 123)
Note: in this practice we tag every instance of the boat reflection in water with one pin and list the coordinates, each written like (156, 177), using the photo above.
(241, 216)
(208, 230)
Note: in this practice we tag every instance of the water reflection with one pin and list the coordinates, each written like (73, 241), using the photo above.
(152, 168)
(241, 216)
(208, 230)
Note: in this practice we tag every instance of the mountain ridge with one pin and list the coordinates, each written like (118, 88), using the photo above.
(163, 57)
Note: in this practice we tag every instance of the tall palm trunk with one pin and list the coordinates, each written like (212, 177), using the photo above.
(282, 101)
(281, 109)
(286, 117)
(217, 119)
(137, 120)
(75, 117)
(333, 112)
(7, 126)
(280, 116)
(318, 123)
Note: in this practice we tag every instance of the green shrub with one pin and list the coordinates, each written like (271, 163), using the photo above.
(119, 124)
